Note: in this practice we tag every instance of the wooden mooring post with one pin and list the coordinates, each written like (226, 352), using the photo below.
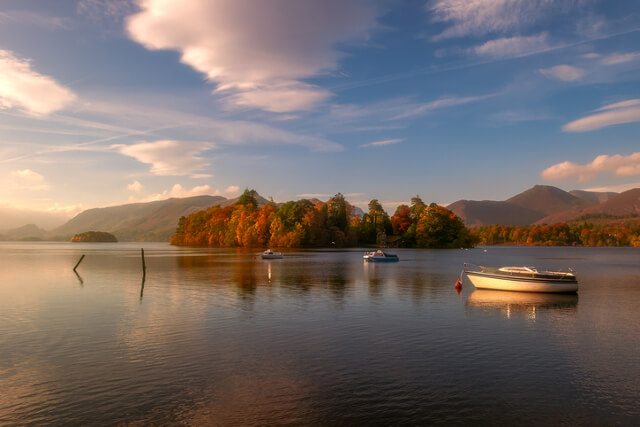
(144, 266)
(79, 261)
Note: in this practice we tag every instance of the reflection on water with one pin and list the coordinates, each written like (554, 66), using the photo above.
(528, 303)
(223, 337)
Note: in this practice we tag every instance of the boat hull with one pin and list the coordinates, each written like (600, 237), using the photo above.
(271, 256)
(381, 259)
(490, 281)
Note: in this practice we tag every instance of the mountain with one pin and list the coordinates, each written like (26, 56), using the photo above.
(548, 200)
(530, 206)
(29, 232)
(593, 196)
(485, 212)
(622, 205)
(11, 218)
(152, 221)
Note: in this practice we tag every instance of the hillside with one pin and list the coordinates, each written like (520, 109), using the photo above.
(594, 197)
(485, 212)
(11, 218)
(152, 221)
(29, 232)
(525, 208)
(548, 200)
(625, 204)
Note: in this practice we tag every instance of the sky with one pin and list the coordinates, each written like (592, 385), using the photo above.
(104, 102)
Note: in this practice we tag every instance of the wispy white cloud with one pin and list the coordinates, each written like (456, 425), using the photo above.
(480, 17)
(621, 104)
(566, 73)
(168, 157)
(591, 55)
(26, 179)
(68, 210)
(232, 132)
(445, 102)
(613, 114)
(135, 186)
(179, 191)
(620, 58)
(33, 18)
(509, 47)
(325, 195)
(258, 52)
(615, 188)
(25, 89)
(383, 142)
(618, 165)
(201, 175)
(101, 9)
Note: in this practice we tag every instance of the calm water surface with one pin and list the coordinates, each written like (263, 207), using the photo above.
(218, 337)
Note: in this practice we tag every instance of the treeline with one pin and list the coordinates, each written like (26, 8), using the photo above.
(334, 223)
(618, 233)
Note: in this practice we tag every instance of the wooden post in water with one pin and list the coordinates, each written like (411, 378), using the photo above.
(144, 266)
(79, 261)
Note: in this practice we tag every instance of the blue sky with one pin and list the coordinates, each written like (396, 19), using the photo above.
(104, 102)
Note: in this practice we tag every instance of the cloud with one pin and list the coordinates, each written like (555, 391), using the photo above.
(328, 195)
(201, 175)
(233, 132)
(480, 17)
(384, 142)
(231, 190)
(619, 58)
(613, 114)
(591, 55)
(100, 9)
(135, 186)
(23, 88)
(27, 17)
(179, 191)
(509, 47)
(619, 165)
(68, 210)
(168, 157)
(566, 73)
(27, 179)
(445, 102)
(256, 51)
(615, 188)
(281, 97)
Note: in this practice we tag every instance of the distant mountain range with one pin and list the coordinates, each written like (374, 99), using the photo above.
(157, 221)
(151, 221)
(544, 204)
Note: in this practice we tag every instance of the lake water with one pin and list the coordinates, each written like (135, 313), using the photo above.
(217, 337)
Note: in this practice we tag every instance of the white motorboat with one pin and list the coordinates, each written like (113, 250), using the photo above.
(380, 256)
(269, 254)
(522, 279)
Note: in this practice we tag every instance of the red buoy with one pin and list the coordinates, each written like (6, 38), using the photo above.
(458, 284)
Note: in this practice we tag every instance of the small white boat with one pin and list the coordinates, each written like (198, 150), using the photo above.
(269, 254)
(522, 279)
(380, 256)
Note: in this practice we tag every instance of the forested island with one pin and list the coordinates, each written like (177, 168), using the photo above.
(304, 223)
(94, 237)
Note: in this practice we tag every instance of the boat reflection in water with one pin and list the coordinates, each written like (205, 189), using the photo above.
(527, 303)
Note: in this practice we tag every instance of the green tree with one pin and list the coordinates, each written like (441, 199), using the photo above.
(338, 212)
(248, 198)
(438, 227)
(417, 208)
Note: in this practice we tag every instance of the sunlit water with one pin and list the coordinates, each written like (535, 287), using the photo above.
(218, 337)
